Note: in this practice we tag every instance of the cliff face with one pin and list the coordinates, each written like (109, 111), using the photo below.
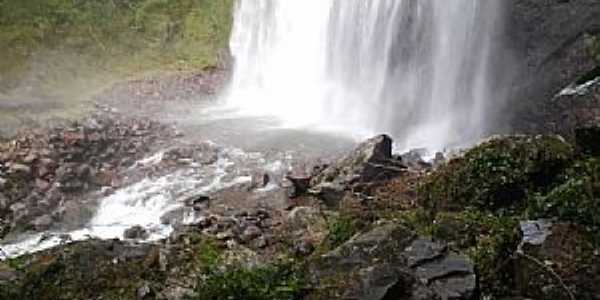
(554, 43)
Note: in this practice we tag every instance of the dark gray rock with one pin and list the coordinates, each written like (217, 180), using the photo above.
(360, 164)
(391, 262)
(300, 185)
(198, 202)
(136, 233)
(370, 161)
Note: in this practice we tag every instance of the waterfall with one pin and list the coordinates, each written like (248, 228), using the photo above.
(420, 70)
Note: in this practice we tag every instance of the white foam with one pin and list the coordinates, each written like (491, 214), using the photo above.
(143, 203)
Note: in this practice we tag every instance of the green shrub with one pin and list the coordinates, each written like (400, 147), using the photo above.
(577, 200)
(282, 281)
(341, 229)
(497, 175)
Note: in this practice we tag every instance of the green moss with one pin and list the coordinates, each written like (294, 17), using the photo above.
(417, 220)
(341, 229)
(497, 175)
(577, 200)
(280, 281)
(86, 270)
(209, 254)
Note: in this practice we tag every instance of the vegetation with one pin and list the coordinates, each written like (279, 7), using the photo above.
(477, 201)
(498, 175)
(279, 281)
(341, 229)
(122, 37)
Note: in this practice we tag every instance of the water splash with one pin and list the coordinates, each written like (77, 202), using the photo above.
(418, 70)
(145, 202)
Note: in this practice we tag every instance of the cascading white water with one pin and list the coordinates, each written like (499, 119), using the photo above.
(417, 69)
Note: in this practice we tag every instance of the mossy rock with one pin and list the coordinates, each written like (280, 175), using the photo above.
(498, 175)
(86, 270)
(489, 240)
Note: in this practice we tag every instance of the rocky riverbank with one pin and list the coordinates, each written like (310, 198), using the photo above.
(515, 216)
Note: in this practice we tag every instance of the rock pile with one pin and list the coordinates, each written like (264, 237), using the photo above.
(41, 171)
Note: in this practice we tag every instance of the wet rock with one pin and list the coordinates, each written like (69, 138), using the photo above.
(136, 233)
(198, 202)
(300, 185)
(390, 262)
(360, 165)
(173, 217)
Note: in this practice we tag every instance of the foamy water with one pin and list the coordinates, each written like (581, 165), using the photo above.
(145, 202)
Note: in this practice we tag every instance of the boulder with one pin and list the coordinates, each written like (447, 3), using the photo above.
(370, 161)
(197, 202)
(360, 165)
(300, 185)
(391, 262)
(136, 233)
